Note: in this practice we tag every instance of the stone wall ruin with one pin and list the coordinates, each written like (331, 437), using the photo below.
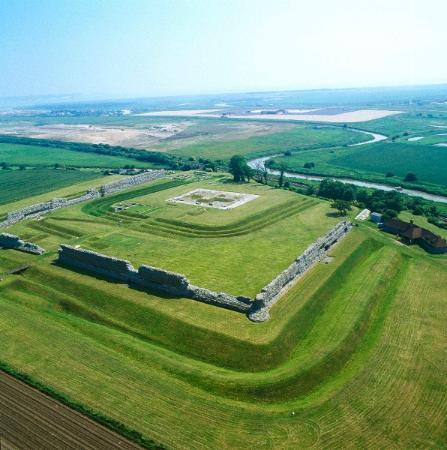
(12, 241)
(176, 284)
(314, 253)
(147, 277)
(39, 209)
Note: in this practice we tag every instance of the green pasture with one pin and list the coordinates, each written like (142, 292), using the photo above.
(372, 162)
(299, 137)
(39, 156)
(20, 184)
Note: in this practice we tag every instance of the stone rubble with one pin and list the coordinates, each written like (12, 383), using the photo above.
(12, 241)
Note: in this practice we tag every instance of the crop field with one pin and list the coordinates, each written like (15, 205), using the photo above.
(57, 426)
(296, 138)
(18, 184)
(36, 195)
(34, 155)
(351, 353)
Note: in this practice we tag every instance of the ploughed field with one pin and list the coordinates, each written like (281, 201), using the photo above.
(352, 352)
(30, 419)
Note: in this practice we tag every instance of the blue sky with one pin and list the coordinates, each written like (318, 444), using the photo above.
(150, 47)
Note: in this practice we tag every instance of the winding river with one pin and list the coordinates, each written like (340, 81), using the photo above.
(260, 163)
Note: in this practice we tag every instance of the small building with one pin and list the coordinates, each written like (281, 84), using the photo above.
(363, 215)
(376, 217)
(413, 234)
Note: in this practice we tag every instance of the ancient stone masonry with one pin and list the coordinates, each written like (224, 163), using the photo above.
(147, 277)
(259, 311)
(12, 241)
(128, 182)
(42, 208)
(176, 284)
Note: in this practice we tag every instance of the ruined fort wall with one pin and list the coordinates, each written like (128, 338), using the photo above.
(12, 241)
(134, 180)
(42, 208)
(314, 253)
(147, 277)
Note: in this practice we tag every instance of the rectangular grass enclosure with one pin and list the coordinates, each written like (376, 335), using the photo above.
(211, 198)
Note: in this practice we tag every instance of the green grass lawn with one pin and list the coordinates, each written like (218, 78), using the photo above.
(352, 352)
(20, 184)
(33, 155)
(299, 137)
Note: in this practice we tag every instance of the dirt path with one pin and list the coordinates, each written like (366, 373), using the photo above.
(32, 420)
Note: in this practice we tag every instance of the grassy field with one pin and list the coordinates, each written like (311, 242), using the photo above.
(208, 245)
(34, 196)
(33, 155)
(18, 184)
(429, 163)
(299, 137)
(351, 355)
(372, 162)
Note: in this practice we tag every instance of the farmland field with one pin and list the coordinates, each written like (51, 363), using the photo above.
(18, 184)
(71, 431)
(297, 138)
(348, 356)
(374, 161)
(34, 155)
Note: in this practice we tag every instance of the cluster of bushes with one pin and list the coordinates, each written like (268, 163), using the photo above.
(388, 203)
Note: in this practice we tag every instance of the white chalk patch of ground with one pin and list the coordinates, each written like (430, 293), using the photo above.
(415, 138)
(439, 126)
(210, 198)
(179, 113)
(361, 115)
(138, 137)
(443, 144)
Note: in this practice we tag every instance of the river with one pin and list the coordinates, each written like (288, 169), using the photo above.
(258, 163)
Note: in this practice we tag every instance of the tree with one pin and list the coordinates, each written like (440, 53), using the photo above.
(342, 206)
(410, 176)
(389, 214)
(282, 168)
(261, 172)
(389, 174)
(309, 165)
(239, 169)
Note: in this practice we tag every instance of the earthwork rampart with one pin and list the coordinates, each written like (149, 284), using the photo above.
(39, 209)
(171, 283)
